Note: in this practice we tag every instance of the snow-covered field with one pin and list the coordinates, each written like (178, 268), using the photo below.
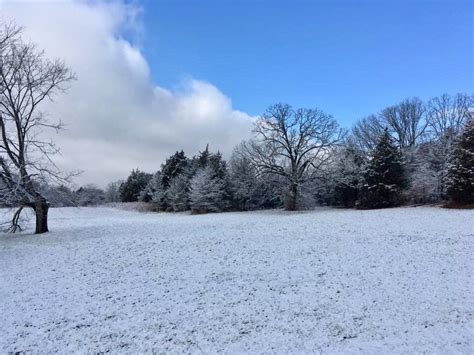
(330, 281)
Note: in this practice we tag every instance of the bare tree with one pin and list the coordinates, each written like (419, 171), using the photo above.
(367, 132)
(406, 121)
(27, 79)
(294, 144)
(448, 115)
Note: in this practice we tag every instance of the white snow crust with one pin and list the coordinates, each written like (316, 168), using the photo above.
(326, 281)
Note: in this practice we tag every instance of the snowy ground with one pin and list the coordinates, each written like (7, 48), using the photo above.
(331, 281)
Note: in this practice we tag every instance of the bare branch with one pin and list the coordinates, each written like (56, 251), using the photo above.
(292, 144)
(27, 79)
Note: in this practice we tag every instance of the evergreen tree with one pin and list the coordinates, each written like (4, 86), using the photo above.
(207, 192)
(348, 175)
(439, 152)
(173, 166)
(244, 183)
(384, 176)
(177, 193)
(217, 168)
(217, 165)
(253, 189)
(159, 197)
(460, 176)
(203, 158)
(154, 184)
(199, 161)
(130, 189)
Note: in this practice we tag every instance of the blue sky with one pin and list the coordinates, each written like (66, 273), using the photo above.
(349, 58)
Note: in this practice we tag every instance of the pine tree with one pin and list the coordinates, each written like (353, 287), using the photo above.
(460, 176)
(153, 191)
(205, 159)
(178, 192)
(173, 166)
(348, 175)
(384, 176)
(207, 192)
(130, 189)
(217, 165)
(200, 161)
(159, 196)
(244, 183)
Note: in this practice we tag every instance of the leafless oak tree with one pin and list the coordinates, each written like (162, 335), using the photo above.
(27, 79)
(294, 144)
(367, 132)
(406, 121)
(447, 115)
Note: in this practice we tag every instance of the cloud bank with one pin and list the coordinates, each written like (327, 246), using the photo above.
(116, 118)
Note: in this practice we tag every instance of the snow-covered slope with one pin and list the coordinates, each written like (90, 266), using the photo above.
(396, 280)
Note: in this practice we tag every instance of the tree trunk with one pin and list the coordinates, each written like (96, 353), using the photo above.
(292, 197)
(41, 212)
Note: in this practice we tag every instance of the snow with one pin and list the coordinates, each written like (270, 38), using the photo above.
(330, 280)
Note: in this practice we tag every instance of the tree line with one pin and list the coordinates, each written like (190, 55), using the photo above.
(409, 153)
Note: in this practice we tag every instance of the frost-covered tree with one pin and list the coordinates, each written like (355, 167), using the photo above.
(253, 189)
(424, 133)
(131, 188)
(177, 193)
(384, 176)
(202, 159)
(460, 177)
(153, 191)
(89, 195)
(206, 158)
(216, 164)
(173, 167)
(271, 191)
(158, 197)
(59, 196)
(208, 192)
(245, 184)
(293, 144)
(347, 174)
(176, 165)
(447, 115)
(423, 177)
(27, 80)
(112, 191)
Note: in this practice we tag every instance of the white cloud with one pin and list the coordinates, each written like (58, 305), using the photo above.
(116, 118)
